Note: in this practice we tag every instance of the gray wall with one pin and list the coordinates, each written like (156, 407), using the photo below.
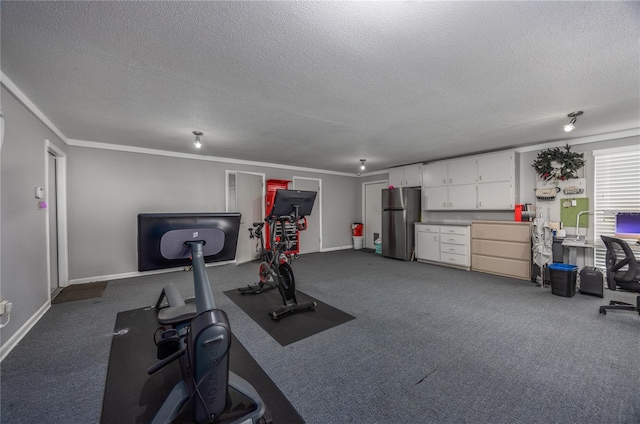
(23, 263)
(107, 189)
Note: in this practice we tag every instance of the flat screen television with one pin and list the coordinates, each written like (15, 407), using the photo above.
(162, 238)
(286, 201)
(628, 225)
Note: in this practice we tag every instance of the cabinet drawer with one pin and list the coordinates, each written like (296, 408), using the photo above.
(503, 249)
(501, 266)
(427, 228)
(454, 259)
(454, 239)
(501, 231)
(453, 229)
(458, 249)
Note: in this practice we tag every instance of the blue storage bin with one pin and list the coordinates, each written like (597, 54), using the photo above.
(563, 279)
(562, 267)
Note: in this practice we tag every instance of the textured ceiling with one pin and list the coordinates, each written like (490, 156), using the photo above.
(323, 84)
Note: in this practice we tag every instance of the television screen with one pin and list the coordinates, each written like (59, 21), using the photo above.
(286, 200)
(628, 224)
(162, 237)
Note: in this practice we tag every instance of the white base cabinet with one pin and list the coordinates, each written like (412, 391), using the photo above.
(443, 244)
(428, 242)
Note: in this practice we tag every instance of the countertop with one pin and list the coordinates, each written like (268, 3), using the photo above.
(461, 223)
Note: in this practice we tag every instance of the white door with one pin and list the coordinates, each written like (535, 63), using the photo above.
(249, 201)
(372, 212)
(52, 208)
(311, 238)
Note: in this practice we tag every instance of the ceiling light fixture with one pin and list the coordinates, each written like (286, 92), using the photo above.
(197, 143)
(362, 167)
(573, 115)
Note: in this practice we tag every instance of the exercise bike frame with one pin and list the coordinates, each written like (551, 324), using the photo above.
(275, 265)
(203, 355)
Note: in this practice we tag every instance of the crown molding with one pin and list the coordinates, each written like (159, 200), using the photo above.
(582, 140)
(147, 151)
(9, 85)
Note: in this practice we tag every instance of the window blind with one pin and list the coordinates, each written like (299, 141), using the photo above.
(616, 188)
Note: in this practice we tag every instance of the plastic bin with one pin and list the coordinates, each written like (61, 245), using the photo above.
(563, 279)
(358, 242)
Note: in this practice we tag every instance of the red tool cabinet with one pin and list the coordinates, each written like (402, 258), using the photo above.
(290, 229)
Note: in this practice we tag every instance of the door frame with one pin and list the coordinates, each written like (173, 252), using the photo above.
(318, 204)
(61, 194)
(228, 172)
(364, 201)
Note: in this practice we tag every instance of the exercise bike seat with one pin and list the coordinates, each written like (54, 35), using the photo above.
(175, 315)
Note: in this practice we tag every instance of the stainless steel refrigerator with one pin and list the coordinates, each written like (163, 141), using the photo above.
(400, 209)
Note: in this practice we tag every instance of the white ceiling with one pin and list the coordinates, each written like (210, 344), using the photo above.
(324, 84)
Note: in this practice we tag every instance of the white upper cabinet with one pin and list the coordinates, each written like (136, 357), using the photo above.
(406, 176)
(496, 196)
(462, 171)
(487, 182)
(435, 198)
(463, 197)
(434, 175)
(496, 167)
(396, 177)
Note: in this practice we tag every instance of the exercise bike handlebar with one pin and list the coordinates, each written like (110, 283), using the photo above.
(166, 361)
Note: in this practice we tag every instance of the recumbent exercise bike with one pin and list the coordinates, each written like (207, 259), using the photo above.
(289, 207)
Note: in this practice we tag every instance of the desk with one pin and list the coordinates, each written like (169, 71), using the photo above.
(573, 246)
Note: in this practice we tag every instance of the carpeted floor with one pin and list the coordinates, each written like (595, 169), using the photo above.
(429, 345)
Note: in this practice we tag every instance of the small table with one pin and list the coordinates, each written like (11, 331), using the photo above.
(573, 245)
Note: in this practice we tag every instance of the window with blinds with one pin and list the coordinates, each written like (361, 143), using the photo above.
(616, 189)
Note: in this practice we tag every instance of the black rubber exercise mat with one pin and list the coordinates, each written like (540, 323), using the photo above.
(133, 396)
(294, 326)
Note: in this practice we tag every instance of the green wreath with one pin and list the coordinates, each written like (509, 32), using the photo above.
(558, 163)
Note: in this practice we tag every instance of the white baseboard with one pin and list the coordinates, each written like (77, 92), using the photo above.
(135, 274)
(331, 249)
(8, 345)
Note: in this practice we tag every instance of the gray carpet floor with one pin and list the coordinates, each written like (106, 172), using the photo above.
(429, 344)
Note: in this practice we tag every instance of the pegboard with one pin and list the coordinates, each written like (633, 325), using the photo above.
(551, 210)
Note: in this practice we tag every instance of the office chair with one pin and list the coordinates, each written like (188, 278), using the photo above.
(619, 255)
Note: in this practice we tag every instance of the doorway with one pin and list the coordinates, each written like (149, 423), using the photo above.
(311, 238)
(372, 211)
(56, 223)
(245, 194)
(52, 207)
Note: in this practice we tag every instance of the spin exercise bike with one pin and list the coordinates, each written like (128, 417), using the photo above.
(289, 207)
(200, 337)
